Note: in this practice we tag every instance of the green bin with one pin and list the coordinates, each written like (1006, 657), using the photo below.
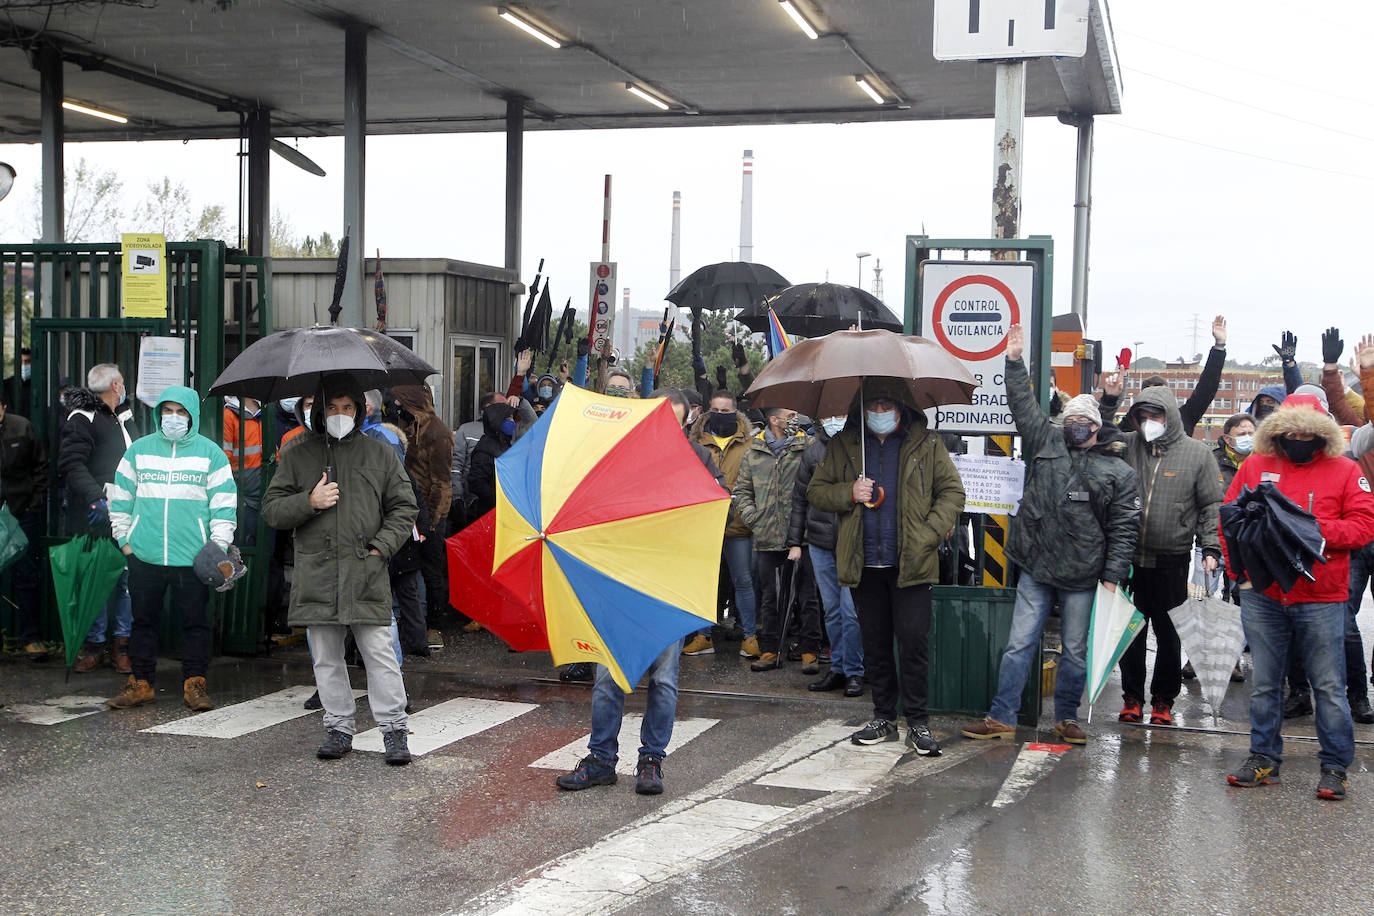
(968, 634)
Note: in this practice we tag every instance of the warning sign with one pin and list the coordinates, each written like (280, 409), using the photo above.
(966, 307)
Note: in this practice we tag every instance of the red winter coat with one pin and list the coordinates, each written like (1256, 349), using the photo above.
(1330, 486)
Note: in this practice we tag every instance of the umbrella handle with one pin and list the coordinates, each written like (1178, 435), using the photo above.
(879, 495)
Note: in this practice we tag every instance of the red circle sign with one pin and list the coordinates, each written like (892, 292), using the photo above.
(603, 271)
(938, 314)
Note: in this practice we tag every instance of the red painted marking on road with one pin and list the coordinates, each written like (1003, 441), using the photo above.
(1051, 748)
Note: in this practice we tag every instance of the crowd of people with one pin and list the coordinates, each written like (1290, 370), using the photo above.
(839, 528)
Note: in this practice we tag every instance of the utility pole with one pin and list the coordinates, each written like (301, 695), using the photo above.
(1193, 352)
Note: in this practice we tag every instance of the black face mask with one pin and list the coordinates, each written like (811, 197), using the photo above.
(1075, 434)
(1263, 411)
(1301, 451)
(722, 424)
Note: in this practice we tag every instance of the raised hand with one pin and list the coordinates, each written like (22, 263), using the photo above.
(1113, 384)
(1364, 352)
(1332, 346)
(1219, 331)
(1016, 341)
(523, 360)
(1287, 348)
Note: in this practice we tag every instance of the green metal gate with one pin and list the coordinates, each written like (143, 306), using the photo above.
(218, 302)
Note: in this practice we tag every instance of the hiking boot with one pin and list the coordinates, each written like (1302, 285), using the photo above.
(854, 686)
(136, 692)
(1258, 770)
(91, 654)
(1071, 731)
(811, 664)
(473, 626)
(577, 671)
(920, 740)
(397, 747)
(193, 692)
(832, 680)
(649, 775)
(1130, 710)
(313, 701)
(1299, 703)
(876, 732)
(767, 662)
(988, 728)
(591, 771)
(36, 651)
(1188, 673)
(1237, 676)
(1161, 714)
(749, 648)
(119, 655)
(1331, 786)
(435, 639)
(1361, 711)
(336, 744)
(699, 645)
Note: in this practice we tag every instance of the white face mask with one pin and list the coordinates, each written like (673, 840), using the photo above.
(339, 425)
(25, 372)
(175, 426)
(832, 425)
(289, 404)
(1151, 430)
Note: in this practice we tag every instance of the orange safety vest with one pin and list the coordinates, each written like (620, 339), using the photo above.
(252, 440)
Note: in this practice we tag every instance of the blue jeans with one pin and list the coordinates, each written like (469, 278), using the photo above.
(608, 705)
(1033, 603)
(1317, 631)
(1361, 569)
(841, 622)
(123, 613)
(739, 559)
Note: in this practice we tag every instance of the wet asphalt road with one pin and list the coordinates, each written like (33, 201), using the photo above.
(101, 817)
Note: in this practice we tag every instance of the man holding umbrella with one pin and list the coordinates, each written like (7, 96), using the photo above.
(890, 526)
(351, 506)
(1300, 449)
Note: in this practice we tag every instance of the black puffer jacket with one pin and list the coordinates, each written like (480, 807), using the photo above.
(482, 468)
(809, 525)
(93, 440)
(1079, 519)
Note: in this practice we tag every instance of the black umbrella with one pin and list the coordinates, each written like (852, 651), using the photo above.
(521, 341)
(1270, 538)
(816, 309)
(727, 285)
(293, 363)
(340, 277)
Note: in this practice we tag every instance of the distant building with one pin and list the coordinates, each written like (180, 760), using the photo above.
(1237, 389)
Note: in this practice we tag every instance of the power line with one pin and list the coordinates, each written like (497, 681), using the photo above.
(1250, 70)
(1237, 152)
(1251, 106)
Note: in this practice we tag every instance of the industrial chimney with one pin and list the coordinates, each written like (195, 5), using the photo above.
(675, 247)
(746, 209)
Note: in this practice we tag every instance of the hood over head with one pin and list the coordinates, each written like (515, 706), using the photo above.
(1164, 399)
(187, 398)
(494, 414)
(1361, 441)
(414, 399)
(335, 385)
(1277, 392)
(1299, 413)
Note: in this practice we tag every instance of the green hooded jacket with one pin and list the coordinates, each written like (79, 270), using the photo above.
(929, 501)
(169, 496)
(763, 489)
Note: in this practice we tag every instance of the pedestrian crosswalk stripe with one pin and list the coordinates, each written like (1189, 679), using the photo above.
(840, 767)
(446, 723)
(1030, 767)
(244, 718)
(566, 757)
(57, 710)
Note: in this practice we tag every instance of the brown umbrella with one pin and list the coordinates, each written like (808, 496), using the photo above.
(820, 377)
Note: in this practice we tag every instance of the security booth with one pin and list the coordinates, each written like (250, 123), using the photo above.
(455, 315)
(964, 294)
(201, 305)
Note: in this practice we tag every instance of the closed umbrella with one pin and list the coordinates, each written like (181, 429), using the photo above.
(1115, 624)
(815, 309)
(1210, 630)
(1270, 539)
(84, 573)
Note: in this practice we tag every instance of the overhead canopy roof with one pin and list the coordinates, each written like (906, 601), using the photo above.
(185, 69)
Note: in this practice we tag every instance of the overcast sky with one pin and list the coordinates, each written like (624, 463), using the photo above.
(1239, 167)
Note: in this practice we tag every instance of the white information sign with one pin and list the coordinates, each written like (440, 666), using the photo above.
(1005, 29)
(602, 301)
(161, 362)
(991, 484)
(967, 307)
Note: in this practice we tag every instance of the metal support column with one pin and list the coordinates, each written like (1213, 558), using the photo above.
(49, 63)
(259, 182)
(515, 178)
(355, 170)
(1010, 118)
(1082, 216)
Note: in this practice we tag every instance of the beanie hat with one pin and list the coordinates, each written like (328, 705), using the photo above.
(1083, 405)
(1316, 392)
(1361, 440)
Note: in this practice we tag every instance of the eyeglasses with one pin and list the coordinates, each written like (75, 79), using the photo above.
(617, 392)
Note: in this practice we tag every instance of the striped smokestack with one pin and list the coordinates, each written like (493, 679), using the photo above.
(746, 209)
(675, 246)
(625, 334)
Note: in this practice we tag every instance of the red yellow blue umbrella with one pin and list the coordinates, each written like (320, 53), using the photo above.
(609, 526)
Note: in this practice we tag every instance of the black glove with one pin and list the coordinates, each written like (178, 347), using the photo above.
(737, 354)
(584, 346)
(1332, 345)
(1287, 348)
(721, 379)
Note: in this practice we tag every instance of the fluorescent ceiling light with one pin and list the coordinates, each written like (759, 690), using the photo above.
(798, 18)
(866, 84)
(527, 25)
(651, 99)
(95, 112)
